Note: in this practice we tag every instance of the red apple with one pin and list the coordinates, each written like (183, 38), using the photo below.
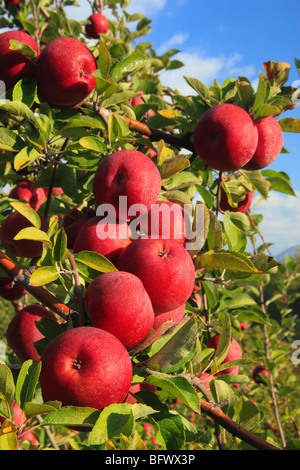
(136, 100)
(13, 64)
(225, 137)
(104, 236)
(165, 268)
(26, 191)
(10, 226)
(85, 366)
(9, 291)
(56, 191)
(131, 174)
(258, 373)
(98, 24)
(22, 332)
(118, 302)
(234, 353)
(175, 316)
(64, 72)
(74, 220)
(166, 220)
(206, 378)
(270, 142)
(16, 3)
(149, 151)
(243, 206)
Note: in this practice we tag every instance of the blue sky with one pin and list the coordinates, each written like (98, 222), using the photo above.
(225, 39)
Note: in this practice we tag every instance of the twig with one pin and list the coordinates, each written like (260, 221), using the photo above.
(22, 277)
(181, 141)
(48, 432)
(272, 388)
(78, 290)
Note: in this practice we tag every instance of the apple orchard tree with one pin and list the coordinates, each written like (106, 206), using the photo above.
(130, 259)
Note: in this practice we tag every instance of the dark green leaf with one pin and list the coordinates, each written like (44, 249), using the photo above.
(7, 385)
(27, 382)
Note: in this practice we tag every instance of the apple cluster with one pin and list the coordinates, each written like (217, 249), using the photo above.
(152, 279)
(227, 139)
(63, 69)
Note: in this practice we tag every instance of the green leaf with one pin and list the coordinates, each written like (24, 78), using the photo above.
(237, 301)
(26, 156)
(117, 127)
(27, 382)
(177, 351)
(212, 293)
(10, 140)
(236, 238)
(279, 182)
(105, 86)
(130, 64)
(114, 420)
(265, 263)
(94, 143)
(23, 48)
(7, 385)
(44, 275)
(222, 259)
(215, 234)
(200, 88)
(170, 431)
(290, 124)
(258, 181)
(177, 387)
(8, 436)
(59, 249)
(32, 409)
(224, 342)
(104, 59)
(20, 109)
(25, 91)
(249, 414)
(94, 260)
(28, 212)
(261, 93)
(71, 416)
(32, 233)
(222, 392)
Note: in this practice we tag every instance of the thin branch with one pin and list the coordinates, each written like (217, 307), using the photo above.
(78, 290)
(22, 277)
(216, 414)
(181, 141)
(272, 387)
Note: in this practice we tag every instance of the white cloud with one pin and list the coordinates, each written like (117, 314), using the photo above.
(281, 221)
(177, 40)
(206, 69)
(148, 8)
